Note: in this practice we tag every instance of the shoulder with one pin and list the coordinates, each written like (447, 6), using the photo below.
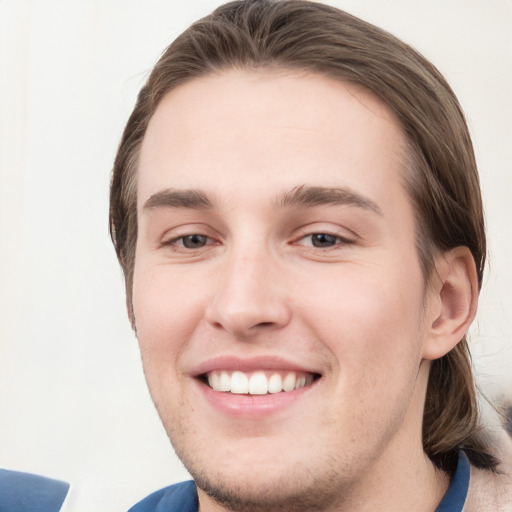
(175, 498)
(20, 492)
(490, 491)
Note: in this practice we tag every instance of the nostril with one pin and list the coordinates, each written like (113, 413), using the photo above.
(264, 324)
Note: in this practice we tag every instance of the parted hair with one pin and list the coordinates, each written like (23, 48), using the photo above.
(440, 173)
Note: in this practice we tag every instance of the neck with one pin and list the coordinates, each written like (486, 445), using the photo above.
(403, 478)
(412, 483)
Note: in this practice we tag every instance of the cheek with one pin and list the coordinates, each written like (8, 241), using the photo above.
(166, 313)
(165, 317)
(370, 320)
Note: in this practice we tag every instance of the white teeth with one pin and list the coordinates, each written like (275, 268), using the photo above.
(257, 383)
(224, 382)
(219, 381)
(289, 382)
(300, 382)
(275, 383)
(214, 380)
(239, 383)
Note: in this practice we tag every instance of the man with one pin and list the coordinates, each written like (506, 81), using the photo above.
(295, 205)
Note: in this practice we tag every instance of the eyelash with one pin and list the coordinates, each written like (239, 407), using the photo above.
(334, 241)
(175, 242)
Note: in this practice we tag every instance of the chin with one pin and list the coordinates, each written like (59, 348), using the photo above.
(260, 475)
(294, 489)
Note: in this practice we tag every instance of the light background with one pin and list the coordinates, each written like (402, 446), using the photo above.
(73, 402)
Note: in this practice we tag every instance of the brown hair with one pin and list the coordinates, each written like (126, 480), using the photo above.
(440, 176)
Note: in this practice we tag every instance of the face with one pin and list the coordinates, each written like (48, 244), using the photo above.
(278, 296)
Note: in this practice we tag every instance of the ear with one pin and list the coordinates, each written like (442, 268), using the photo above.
(452, 302)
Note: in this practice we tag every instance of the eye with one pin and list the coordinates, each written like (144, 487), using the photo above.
(323, 240)
(194, 241)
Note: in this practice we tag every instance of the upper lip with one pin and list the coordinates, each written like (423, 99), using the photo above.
(249, 364)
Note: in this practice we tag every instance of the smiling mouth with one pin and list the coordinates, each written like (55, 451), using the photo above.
(258, 382)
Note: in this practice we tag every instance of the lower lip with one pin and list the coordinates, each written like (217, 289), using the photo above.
(252, 406)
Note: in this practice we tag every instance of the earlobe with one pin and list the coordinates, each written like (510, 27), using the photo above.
(456, 299)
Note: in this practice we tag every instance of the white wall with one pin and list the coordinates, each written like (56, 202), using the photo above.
(73, 402)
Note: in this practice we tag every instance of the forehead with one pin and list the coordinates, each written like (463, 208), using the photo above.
(267, 126)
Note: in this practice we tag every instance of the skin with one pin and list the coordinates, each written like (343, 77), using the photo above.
(258, 290)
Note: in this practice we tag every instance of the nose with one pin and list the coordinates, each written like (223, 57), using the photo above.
(251, 296)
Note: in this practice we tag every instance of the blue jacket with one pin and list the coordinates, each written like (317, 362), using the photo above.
(24, 492)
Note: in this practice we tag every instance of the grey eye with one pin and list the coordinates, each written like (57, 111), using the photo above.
(194, 241)
(323, 240)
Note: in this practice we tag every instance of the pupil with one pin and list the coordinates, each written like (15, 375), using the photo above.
(323, 240)
(194, 241)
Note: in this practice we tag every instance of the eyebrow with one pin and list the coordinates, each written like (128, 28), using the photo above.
(173, 198)
(308, 196)
(299, 197)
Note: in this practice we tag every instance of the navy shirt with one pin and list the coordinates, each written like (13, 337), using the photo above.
(455, 497)
(176, 498)
(183, 497)
(24, 492)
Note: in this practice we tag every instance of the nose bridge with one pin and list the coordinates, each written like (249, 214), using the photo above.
(250, 295)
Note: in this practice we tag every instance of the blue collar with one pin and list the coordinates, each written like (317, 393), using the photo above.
(24, 492)
(455, 497)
